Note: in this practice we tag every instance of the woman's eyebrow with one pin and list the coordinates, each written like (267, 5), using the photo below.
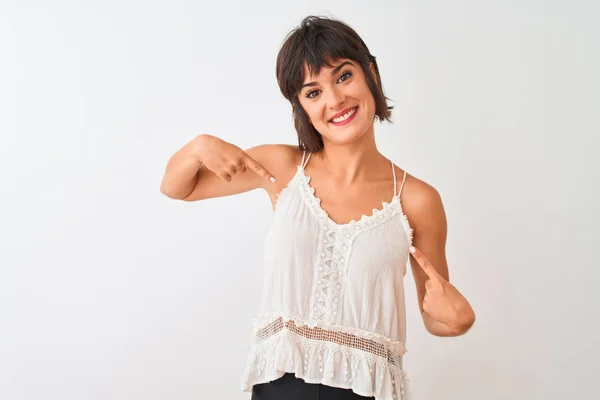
(333, 72)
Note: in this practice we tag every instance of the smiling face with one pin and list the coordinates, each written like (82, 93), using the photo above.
(338, 101)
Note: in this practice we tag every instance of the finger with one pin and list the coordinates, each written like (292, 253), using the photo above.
(257, 168)
(240, 167)
(225, 177)
(424, 263)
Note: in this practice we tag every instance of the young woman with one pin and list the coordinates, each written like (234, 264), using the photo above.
(332, 319)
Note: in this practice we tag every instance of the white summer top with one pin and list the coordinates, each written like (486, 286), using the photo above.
(333, 309)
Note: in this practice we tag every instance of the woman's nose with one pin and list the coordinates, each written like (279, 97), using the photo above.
(335, 99)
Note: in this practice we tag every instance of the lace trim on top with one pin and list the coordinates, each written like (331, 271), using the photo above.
(335, 246)
(364, 223)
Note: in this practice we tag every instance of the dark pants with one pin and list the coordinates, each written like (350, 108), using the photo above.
(288, 387)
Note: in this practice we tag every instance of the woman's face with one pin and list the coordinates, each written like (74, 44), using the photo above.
(338, 101)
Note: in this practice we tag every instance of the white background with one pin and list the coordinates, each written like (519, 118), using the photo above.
(110, 291)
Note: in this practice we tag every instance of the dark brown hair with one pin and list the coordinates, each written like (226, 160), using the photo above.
(317, 42)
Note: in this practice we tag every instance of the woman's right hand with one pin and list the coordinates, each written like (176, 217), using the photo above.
(226, 159)
(209, 167)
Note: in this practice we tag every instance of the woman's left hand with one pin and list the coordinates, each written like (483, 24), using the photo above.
(442, 301)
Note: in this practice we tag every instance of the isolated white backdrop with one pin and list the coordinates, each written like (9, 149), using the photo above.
(109, 290)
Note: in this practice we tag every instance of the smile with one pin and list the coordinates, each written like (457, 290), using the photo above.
(345, 118)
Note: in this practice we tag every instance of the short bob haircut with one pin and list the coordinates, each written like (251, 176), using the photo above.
(318, 41)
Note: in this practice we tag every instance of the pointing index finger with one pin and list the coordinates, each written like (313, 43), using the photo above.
(424, 263)
(258, 168)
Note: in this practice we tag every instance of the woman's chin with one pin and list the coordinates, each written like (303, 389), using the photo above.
(346, 136)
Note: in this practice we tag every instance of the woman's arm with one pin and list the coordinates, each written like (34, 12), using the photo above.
(444, 310)
(209, 167)
(181, 174)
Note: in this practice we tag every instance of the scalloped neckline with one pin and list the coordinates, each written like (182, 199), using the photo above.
(365, 217)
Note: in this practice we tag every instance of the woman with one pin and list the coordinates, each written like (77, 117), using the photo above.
(332, 318)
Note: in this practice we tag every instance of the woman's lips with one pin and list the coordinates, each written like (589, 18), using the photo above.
(347, 120)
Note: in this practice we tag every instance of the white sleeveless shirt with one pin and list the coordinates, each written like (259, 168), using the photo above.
(333, 309)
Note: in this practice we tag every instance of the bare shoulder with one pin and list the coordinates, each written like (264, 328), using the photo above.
(280, 159)
(275, 156)
(421, 202)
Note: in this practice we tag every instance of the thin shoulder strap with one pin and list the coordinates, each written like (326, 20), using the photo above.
(304, 162)
(394, 174)
(395, 185)
(402, 184)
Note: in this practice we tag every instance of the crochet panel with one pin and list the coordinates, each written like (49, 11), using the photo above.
(335, 246)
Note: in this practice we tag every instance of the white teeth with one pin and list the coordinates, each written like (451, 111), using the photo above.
(345, 116)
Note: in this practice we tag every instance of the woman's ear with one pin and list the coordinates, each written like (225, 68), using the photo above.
(372, 68)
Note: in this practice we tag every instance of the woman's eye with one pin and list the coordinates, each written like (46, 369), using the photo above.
(344, 77)
(347, 75)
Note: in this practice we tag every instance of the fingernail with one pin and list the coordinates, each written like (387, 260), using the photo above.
(272, 179)
(412, 249)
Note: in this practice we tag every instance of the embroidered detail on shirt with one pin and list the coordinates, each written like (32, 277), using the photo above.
(335, 246)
